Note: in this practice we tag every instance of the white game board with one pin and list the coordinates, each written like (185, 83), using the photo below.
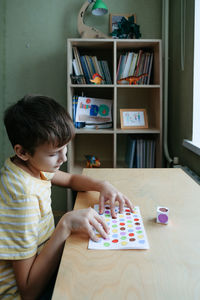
(126, 231)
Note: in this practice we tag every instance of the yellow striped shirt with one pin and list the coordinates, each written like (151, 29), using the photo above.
(26, 220)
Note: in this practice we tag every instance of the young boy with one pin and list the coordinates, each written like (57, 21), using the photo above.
(39, 130)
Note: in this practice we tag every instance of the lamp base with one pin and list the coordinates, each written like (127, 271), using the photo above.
(88, 32)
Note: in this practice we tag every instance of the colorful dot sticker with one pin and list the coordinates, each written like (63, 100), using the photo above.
(126, 231)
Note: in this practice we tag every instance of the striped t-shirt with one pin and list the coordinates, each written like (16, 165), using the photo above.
(26, 220)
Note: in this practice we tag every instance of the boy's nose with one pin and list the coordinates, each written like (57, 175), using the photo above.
(63, 158)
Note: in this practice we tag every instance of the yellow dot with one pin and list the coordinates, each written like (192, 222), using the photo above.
(140, 236)
(121, 216)
(130, 225)
(114, 230)
(124, 243)
(107, 220)
(98, 235)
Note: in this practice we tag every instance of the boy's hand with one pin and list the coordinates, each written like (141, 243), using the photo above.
(111, 194)
(84, 220)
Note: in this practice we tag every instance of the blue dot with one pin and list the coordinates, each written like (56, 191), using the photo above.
(115, 235)
(142, 241)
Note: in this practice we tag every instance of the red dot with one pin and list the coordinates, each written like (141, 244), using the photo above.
(122, 224)
(136, 219)
(127, 210)
(137, 223)
(115, 241)
(131, 234)
(88, 101)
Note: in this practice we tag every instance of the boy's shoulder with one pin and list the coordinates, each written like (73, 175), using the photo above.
(15, 181)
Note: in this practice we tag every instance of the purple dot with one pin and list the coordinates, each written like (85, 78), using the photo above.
(122, 233)
(138, 228)
(163, 218)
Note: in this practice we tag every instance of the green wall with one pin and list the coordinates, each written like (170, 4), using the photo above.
(33, 37)
(181, 86)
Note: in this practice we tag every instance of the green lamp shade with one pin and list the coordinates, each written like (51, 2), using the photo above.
(99, 8)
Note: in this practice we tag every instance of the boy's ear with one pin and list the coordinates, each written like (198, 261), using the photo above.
(21, 153)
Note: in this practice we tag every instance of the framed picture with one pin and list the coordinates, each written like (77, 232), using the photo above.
(115, 19)
(133, 118)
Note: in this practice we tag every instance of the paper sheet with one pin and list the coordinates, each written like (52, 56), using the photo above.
(126, 231)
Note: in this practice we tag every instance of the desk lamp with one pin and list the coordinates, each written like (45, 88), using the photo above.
(99, 9)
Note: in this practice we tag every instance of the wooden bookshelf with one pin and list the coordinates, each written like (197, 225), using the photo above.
(109, 145)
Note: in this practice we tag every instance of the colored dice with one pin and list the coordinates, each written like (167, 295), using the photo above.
(162, 214)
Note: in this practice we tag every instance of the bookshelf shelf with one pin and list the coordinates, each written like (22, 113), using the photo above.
(110, 145)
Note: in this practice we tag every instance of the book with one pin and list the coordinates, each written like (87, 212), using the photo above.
(77, 58)
(85, 69)
(130, 151)
(127, 65)
(74, 109)
(93, 110)
(99, 126)
(133, 64)
(136, 73)
(150, 68)
(121, 66)
(75, 67)
(107, 72)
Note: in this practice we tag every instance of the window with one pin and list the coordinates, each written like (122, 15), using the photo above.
(194, 145)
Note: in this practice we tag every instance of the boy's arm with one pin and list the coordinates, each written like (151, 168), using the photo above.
(85, 183)
(33, 274)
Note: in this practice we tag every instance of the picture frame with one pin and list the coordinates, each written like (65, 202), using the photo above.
(133, 118)
(114, 19)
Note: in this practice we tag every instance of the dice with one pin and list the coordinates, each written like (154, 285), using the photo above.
(162, 215)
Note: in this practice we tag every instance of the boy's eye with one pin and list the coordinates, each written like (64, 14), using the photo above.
(54, 154)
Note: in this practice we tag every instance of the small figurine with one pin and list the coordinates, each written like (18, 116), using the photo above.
(132, 79)
(97, 79)
(162, 215)
(92, 161)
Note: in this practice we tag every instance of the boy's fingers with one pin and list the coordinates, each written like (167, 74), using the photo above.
(101, 205)
(129, 204)
(112, 207)
(91, 233)
(99, 228)
(121, 204)
(103, 223)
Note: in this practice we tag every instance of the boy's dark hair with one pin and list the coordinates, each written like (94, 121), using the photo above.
(34, 120)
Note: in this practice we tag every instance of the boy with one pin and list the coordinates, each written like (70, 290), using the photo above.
(39, 130)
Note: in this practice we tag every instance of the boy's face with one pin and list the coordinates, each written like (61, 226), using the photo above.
(48, 158)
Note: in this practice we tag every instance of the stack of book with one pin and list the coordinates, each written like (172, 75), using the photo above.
(89, 65)
(140, 153)
(91, 113)
(135, 64)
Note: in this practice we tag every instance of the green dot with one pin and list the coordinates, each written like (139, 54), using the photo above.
(106, 244)
(114, 226)
(107, 216)
(123, 238)
(140, 231)
(129, 221)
